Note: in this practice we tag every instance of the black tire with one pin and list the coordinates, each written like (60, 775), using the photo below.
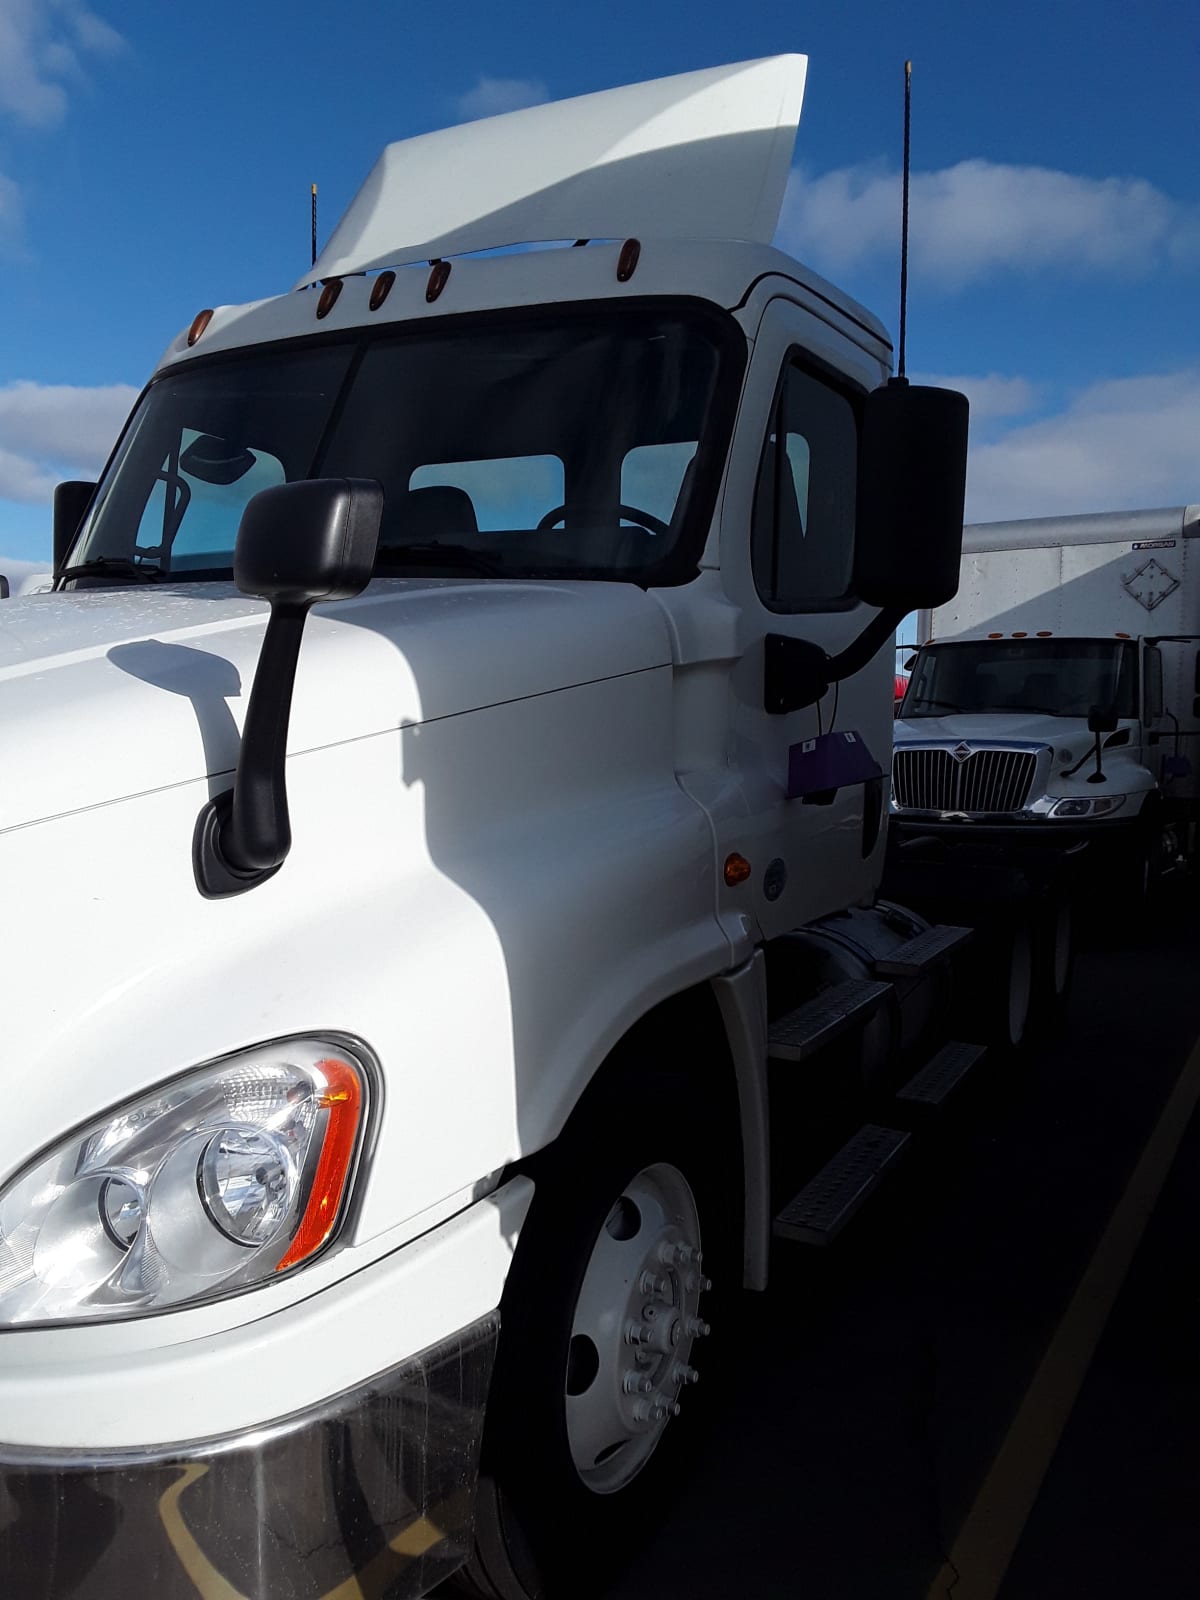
(542, 1532)
(1053, 960)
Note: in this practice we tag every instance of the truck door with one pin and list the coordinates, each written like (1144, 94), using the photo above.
(786, 551)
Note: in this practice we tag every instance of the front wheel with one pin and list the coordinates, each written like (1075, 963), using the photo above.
(603, 1338)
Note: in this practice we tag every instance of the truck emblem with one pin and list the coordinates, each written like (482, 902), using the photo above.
(961, 752)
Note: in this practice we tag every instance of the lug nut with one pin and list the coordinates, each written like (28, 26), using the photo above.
(685, 1375)
(636, 1333)
(651, 1283)
(698, 1284)
(637, 1383)
(696, 1329)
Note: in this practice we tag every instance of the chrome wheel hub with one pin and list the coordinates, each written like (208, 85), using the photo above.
(635, 1324)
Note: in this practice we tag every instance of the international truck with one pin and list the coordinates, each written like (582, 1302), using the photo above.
(1054, 705)
(443, 814)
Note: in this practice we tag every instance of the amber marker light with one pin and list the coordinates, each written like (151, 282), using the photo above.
(1020, 636)
(627, 261)
(737, 869)
(1046, 634)
(381, 288)
(342, 1100)
(439, 276)
(995, 636)
(329, 297)
(199, 322)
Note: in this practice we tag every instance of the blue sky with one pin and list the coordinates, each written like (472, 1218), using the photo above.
(155, 159)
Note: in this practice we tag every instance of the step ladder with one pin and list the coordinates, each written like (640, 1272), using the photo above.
(825, 1205)
(922, 951)
(941, 1074)
(810, 1027)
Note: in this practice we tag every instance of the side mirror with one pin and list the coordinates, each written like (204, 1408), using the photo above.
(910, 663)
(1102, 719)
(912, 479)
(298, 543)
(5, 590)
(71, 501)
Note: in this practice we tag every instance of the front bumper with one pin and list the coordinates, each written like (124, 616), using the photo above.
(369, 1493)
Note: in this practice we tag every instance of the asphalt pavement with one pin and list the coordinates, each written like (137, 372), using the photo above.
(989, 1387)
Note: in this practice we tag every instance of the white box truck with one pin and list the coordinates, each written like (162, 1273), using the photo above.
(1055, 702)
(446, 782)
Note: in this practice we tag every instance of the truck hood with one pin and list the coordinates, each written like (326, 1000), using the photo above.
(1023, 727)
(106, 694)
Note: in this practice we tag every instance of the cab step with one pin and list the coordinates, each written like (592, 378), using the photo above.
(825, 1205)
(923, 951)
(810, 1027)
(941, 1074)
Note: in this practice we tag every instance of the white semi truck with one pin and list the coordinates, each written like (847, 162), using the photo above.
(1055, 702)
(446, 784)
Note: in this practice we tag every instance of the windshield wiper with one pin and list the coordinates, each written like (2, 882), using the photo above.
(435, 554)
(116, 567)
(946, 705)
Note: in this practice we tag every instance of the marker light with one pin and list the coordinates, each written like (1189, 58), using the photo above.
(215, 1181)
(737, 869)
(439, 276)
(627, 261)
(329, 297)
(381, 288)
(199, 322)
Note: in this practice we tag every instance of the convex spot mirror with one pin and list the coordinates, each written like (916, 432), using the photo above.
(912, 476)
(1102, 719)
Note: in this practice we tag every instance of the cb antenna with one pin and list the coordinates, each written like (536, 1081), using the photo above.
(314, 224)
(900, 378)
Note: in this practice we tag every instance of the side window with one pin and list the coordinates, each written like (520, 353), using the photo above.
(802, 533)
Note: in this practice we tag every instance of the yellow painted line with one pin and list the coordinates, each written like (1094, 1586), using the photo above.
(416, 1539)
(985, 1543)
(209, 1583)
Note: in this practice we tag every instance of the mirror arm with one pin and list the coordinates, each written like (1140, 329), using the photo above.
(244, 836)
(1098, 775)
(797, 673)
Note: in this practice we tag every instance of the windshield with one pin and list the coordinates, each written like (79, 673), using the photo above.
(1060, 677)
(580, 445)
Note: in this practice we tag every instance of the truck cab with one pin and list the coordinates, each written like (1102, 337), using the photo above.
(468, 670)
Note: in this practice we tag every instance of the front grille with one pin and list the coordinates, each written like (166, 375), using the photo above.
(988, 780)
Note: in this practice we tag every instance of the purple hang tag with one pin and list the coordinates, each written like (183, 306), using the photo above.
(830, 761)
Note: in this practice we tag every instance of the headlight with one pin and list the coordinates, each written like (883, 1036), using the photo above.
(1100, 805)
(227, 1176)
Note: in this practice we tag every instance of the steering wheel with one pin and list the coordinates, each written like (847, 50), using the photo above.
(642, 518)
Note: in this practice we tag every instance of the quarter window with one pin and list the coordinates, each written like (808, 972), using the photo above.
(802, 536)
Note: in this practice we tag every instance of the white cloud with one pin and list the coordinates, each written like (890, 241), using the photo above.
(42, 42)
(491, 96)
(981, 216)
(53, 431)
(990, 396)
(1121, 443)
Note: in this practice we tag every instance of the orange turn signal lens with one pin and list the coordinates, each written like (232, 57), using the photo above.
(342, 1102)
(199, 322)
(737, 869)
(329, 297)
